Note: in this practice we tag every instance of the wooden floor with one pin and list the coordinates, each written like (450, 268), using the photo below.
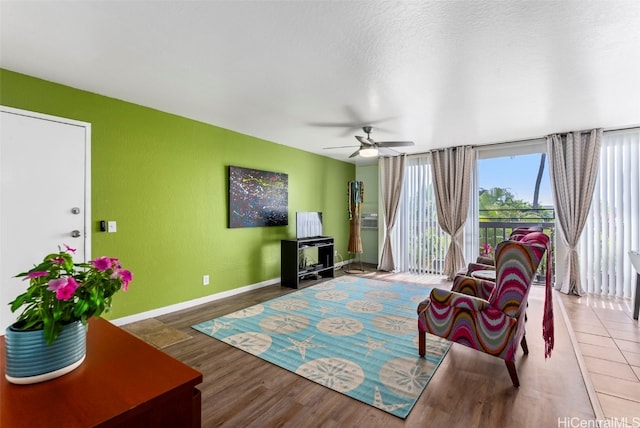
(469, 389)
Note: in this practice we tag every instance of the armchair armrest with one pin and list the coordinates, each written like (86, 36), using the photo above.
(486, 261)
(457, 300)
(473, 267)
(471, 286)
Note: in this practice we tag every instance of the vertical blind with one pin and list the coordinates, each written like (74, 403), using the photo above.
(613, 225)
(419, 244)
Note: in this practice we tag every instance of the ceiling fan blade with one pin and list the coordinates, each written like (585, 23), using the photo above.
(356, 117)
(384, 119)
(354, 154)
(395, 143)
(348, 127)
(364, 140)
(339, 147)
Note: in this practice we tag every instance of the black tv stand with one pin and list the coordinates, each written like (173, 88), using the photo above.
(297, 270)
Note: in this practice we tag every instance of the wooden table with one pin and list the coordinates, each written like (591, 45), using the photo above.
(123, 382)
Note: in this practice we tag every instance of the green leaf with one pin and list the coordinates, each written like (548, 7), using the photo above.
(19, 301)
(80, 307)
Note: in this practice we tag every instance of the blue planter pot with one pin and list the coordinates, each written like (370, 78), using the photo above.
(29, 359)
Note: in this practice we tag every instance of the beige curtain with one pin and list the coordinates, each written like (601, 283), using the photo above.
(573, 165)
(451, 170)
(391, 176)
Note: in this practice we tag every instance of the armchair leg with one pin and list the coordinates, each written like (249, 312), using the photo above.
(422, 343)
(523, 343)
(511, 366)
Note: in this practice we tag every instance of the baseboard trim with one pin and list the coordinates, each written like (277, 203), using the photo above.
(202, 300)
(191, 303)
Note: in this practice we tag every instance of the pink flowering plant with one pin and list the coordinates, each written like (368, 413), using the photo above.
(487, 250)
(61, 291)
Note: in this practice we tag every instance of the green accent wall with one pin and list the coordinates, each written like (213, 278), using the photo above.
(163, 178)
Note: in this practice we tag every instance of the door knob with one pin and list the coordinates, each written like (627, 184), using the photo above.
(75, 210)
(75, 233)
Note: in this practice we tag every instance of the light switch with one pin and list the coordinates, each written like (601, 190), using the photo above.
(111, 226)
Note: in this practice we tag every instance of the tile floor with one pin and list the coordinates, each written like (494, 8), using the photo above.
(609, 340)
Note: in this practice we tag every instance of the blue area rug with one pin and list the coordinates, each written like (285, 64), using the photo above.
(354, 335)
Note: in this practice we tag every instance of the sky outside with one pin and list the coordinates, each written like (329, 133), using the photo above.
(516, 174)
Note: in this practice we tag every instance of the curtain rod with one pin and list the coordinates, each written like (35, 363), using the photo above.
(475, 146)
(533, 139)
(625, 128)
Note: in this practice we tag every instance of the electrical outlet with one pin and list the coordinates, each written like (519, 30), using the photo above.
(205, 280)
(112, 226)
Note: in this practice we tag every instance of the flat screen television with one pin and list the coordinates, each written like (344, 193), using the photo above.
(308, 224)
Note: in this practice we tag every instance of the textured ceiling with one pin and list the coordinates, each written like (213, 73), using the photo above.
(308, 74)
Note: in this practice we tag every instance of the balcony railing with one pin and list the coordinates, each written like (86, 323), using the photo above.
(428, 244)
(497, 225)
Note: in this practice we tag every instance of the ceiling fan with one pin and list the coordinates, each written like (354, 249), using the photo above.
(369, 148)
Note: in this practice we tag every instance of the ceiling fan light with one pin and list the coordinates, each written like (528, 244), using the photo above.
(369, 153)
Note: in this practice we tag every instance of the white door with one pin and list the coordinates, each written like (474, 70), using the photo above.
(44, 195)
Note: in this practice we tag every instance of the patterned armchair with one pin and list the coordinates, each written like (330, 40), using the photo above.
(484, 315)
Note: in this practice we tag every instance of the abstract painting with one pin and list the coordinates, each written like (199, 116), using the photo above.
(257, 198)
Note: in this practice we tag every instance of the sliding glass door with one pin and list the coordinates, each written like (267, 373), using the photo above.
(511, 188)
(514, 191)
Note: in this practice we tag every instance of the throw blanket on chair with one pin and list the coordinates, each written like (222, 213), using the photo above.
(547, 317)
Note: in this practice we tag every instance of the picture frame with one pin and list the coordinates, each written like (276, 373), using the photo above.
(257, 198)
